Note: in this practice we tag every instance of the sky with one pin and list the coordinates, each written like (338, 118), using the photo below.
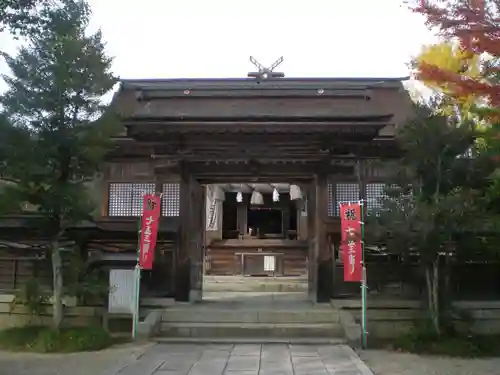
(215, 38)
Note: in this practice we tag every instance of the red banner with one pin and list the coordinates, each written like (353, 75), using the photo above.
(149, 230)
(351, 241)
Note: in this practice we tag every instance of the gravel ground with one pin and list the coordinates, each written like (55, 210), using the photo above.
(104, 362)
(383, 362)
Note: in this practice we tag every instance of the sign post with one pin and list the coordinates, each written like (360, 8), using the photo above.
(364, 284)
(352, 243)
(147, 233)
(137, 291)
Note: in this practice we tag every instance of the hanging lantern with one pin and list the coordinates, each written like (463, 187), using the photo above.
(256, 198)
(276, 195)
(239, 197)
(295, 192)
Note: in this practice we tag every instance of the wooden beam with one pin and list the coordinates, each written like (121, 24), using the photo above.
(171, 128)
(243, 150)
(260, 120)
(153, 139)
(246, 172)
(362, 93)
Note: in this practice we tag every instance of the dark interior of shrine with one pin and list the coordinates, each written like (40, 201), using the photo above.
(264, 220)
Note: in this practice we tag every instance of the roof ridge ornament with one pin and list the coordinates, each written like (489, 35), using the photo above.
(266, 73)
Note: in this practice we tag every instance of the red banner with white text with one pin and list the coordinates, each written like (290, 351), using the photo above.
(351, 241)
(149, 230)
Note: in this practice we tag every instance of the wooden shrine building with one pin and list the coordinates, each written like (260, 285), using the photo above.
(250, 171)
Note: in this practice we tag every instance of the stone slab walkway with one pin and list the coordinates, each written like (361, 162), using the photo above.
(247, 359)
(192, 359)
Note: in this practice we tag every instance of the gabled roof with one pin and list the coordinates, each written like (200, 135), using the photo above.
(273, 84)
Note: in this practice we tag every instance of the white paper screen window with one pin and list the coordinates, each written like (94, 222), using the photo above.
(331, 201)
(374, 196)
(269, 263)
(170, 200)
(125, 199)
(346, 193)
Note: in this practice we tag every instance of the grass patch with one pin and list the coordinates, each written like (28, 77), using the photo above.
(47, 340)
(468, 346)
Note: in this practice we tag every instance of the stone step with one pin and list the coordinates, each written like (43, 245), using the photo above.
(255, 287)
(254, 284)
(249, 279)
(250, 330)
(270, 316)
(250, 340)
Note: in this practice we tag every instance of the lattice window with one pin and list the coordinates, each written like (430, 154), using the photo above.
(374, 196)
(170, 200)
(346, 193)
(125, 199)
(331, 201)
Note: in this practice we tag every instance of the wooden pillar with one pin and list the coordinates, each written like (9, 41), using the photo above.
(189, 259)
(312, 256)
(324, 261)
(242, 215)
(182, 250)
(285, 204)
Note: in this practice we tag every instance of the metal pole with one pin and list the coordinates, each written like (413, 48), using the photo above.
(137, 285)
(364, 285)
(137, 291)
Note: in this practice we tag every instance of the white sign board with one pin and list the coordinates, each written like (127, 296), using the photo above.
(121, 292)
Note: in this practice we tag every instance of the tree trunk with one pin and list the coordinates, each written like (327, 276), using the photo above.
(57, 281)
(435, 295)
(432, 279)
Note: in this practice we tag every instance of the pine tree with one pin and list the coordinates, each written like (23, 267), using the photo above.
(59, 130)
(21, 16)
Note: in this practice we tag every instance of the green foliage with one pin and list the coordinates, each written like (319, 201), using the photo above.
(422, 339)
(58, 132)
(32, 297)
(46, 340)
(433, 193)
(58, 129)
(21, 16)
(19, 338)
(435, 199)
(89, 285)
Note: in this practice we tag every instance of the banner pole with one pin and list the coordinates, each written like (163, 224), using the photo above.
(137, 285)
(364, 285)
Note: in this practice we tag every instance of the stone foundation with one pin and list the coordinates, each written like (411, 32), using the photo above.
(389, 319)
(73, 316)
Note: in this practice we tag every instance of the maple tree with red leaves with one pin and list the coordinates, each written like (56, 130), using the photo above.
(476, 24)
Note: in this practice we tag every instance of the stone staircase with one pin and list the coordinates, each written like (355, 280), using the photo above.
(252, 309)
(258, 322)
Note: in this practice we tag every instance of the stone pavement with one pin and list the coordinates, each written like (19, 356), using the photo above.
(247, 359)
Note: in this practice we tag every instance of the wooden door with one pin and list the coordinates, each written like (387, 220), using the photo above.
(196, 239)
(312, 239)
